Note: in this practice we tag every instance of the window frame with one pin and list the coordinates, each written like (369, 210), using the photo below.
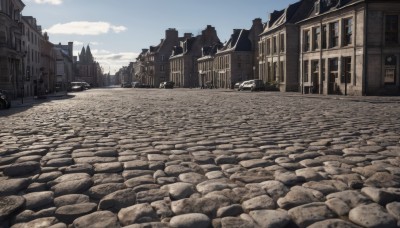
(334, 34)
(346, 75)
(397, 31)
(347, 31)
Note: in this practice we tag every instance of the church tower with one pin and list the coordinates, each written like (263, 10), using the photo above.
(82, 55)
(89, 56)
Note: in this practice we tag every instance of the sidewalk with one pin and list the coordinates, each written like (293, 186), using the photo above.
(30, 101)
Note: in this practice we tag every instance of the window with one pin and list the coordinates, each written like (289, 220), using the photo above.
(305, 71)
(268, 46)
(348, 31)
(333, 67)
(316, 38)
(392, 29)
(346, 75)
(162, 68)
(276, 71)
(324, 36)
(282, 42)
(307, 40)
(282, 73)
(390, 70)
(274, 45)
(334, 34)
(162, 57)
(269, 72)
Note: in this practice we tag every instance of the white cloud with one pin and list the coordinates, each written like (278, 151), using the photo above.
(51, 2)
(85, 28)
(110, 61)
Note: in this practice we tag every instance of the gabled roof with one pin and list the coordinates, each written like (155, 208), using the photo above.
(326, 6)
(239, 41)
(292, 14)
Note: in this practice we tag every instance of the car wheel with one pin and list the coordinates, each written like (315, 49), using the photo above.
(3, 105)
(252, 89)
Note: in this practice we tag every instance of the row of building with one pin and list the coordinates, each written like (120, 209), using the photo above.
(30, 65)
(312, 46)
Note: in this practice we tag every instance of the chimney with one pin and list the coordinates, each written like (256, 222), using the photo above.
(171, 33)
(70, 48)
(187, 35)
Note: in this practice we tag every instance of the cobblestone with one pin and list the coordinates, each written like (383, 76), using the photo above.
(187, 157)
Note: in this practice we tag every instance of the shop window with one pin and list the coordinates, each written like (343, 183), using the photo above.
(390, 69)
(392, 29)
(305, 71)
(333, 67)
(346, 75)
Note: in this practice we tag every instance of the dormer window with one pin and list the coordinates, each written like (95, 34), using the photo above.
(317, 7)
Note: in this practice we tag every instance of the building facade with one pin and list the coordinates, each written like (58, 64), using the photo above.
(156, 59)
(351, 47)
(34, 84)
(48, 64)
(87, 69)
(183, 61)
(237, 59)
(279, 47)
(64, 66)
(11, 52)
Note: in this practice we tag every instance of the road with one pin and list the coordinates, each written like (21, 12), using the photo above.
(200, 158)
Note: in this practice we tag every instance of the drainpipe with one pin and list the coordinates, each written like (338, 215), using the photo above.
(365, 74)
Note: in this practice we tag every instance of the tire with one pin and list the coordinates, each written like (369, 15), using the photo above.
(3, 104)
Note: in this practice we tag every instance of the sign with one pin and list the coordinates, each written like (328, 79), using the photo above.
(390, 73)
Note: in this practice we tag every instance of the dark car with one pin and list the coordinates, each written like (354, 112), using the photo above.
(77, 86)
(5, 100)
(126, 85)
(136, 85)
(252, 85)
(167, 85)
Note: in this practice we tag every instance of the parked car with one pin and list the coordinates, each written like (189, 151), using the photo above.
(252, 85)
(167, 85)
(86, 85)
(77, 86)
(5, 100)
(126, 85)
(136, 84)
(237, 85)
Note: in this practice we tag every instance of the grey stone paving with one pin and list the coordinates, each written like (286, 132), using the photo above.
(200, 158)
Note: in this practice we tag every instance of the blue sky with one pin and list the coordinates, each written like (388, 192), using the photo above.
(117, 30)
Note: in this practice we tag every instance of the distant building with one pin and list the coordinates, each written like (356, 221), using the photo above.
(87, 69)
(205, 65)
(155, 61)
(48, 65)
(11, 52)
(351, 47)
(237, 59)
(64, 66)
(183, 61)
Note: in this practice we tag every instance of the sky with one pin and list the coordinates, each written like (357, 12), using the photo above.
(117, 30)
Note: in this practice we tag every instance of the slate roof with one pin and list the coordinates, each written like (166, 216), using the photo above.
(292, 14)
(239, 41)
(326, 6)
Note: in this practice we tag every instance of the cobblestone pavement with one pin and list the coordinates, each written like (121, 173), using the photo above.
(200, 158)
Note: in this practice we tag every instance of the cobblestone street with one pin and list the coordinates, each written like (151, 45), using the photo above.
(200, 158)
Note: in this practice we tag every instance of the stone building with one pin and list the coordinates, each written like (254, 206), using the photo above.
(351, 47)
(183, 61)
(32, 41)
(205, 65)
(64, 66)
(48, 64)
(279, 46)
(87, 69)
(237, 59)
(11, 52)
(155, 60)
(141, 69)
